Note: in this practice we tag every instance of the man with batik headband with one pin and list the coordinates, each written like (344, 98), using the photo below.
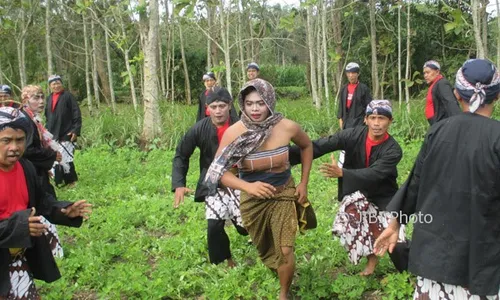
(258, 144)
(440, 101)
(24, 248)
(64, 121)
(453, 193)
(366, 182)
(41, 150)
(203, 111)
(225, 203)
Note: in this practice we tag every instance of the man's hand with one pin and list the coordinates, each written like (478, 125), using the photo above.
(331, 170)
(301, 192)
(180, 192)
(78, 209)
(35, 224)
(73, 136)
(58, 156)
(260, 190)
(387, 239)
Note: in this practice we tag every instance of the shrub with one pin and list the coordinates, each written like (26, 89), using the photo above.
(291, 92)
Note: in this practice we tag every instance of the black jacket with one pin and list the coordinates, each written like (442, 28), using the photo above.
(355, 115)
(14, 232)
(378, 181)
(445, 103)
(455, 181)
(202, 101)
(66, 117)
(203, 135)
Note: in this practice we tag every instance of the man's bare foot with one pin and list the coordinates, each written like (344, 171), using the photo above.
(283, 296)
(370, 265)
(231, 263)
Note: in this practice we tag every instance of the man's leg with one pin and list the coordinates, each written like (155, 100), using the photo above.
(285, 272)
(218, 242)
(71, 177)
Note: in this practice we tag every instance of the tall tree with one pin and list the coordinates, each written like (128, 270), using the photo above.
(50, 64)
(373, 41)
(95, 77)
(312, 58)
(87, 63)
(185, 66)
(152, 119)
(476, 24)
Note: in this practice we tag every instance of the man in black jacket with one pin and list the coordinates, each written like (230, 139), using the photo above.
(354, 97)
(366, 182)
(440, 100)
(64, 121)
(453, 195)
(206, 135)
(24, 248)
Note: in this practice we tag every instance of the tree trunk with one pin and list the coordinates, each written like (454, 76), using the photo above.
(172, 30)
(337, 40)
(476, 24)
(50, 65)
(408, 56)
(209, 41)
(110, 70)
(498, 33)
(319, 67)
(373, 39)
(87, 64)
(484, 23)
(95, 78)
(400, 89)
(225, 42)
(184, 64)
(325, 56)
(102, 72)
(311, 46)
(152, 119)
(240, 42)
(160, 61)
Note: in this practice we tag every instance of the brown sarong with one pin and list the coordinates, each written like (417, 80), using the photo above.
(271, 223)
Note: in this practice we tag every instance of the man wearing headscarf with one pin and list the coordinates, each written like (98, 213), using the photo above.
(64, 122)
(354, 97)
(270, 200)
(225, 204)
(203, 111)
(440, 101)
(366, 182)
(453, 194)
(42, 151)
(24, 248)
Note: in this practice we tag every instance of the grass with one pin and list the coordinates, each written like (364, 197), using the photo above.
(136, 246)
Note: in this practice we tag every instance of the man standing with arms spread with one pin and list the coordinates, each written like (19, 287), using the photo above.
(64, 121)
(225, 204)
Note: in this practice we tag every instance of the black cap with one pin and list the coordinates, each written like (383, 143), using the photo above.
(219, 94)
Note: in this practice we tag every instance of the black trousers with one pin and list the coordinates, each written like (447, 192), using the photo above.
(218, 241)
(60, 176)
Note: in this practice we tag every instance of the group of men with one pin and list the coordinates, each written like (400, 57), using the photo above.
(367, 175)
(29, 150)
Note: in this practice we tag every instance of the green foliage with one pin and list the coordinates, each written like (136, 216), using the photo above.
(292, 92)
(397, 286)
(289, 75)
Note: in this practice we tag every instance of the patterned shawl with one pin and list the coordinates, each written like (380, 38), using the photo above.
(249, 141)
(478, 83)
(46, 137)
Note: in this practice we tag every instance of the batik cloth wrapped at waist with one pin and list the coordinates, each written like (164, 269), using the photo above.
(272, 223)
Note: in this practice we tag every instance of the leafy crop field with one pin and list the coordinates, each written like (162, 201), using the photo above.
(136, 246)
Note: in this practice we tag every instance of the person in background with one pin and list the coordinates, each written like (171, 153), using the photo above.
(252, 71)
(440, 100)
(64, 122)
(203, 111)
